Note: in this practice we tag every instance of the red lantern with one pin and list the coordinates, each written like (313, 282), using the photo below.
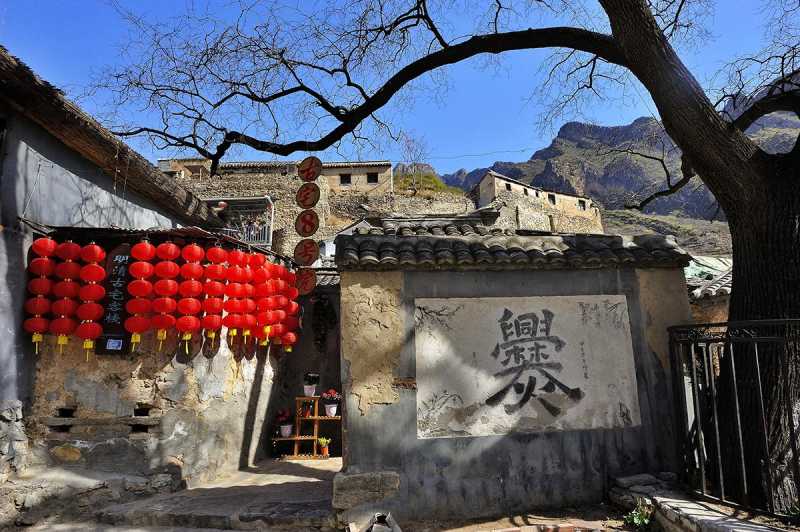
(212, 322)
(166, 287)
(292, 292)
(189, 305)
(288, 340)
(44, 246)
(235, 274)
(279, 285)
(277, 330)
(192, 270)
(138, 305)
(88, 331)
(36, 326)
(66, 289)
(140, 288)
(232, 322)
(190, 288)
(193, 253)
(163, 321)
(40, 286)
(141, 270)
(291, 278)
(68, 270)
(279, 315)
(282, 301)
(143, 251)
(91, 292)
(164, 305)
(214, 288)
(292, 308)
(260, 275)
(92, 273)
(68, 251)
(213, 305)
(235, 306)
(292, 323)
(234, 290)
(237, 257)
(90, 312)
(64, 307)
(256, 260)
(92, 253)
(217, 272)
(216, 255)
(168, 251)
(249, 324)
(166, 269)
(62, 327)
(42, 267)
(136, 325)
(37, 306)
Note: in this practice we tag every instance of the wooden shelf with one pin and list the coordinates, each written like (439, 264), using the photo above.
(294, 438)
(290, 457)
(322, 418)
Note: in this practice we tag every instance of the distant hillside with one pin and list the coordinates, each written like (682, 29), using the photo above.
(421, 176)
(698, 237)
(588, 159)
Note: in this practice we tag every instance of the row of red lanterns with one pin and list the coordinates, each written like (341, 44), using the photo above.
(66, 284)
(260, 295)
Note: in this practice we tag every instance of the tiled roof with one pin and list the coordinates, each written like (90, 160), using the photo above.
(274, 164)
(469, 246)
(718, 286)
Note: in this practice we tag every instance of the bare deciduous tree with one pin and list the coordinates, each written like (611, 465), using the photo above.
(281, 81)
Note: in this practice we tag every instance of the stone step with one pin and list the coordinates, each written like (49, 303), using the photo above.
(230, 508)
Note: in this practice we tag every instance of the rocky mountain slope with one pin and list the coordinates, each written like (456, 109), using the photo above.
(597, 161)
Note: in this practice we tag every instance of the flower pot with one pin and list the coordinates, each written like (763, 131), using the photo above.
(286, 430)
(309, 390)
(330, 410)
(325, 451)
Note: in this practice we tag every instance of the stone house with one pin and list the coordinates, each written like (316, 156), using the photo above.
(528, 207)
(60, 167)
(488, 371)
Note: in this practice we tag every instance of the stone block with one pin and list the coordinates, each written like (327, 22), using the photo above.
(350, 490)
(643, 479)
(66, 453)
(667, 476)
(646, 490)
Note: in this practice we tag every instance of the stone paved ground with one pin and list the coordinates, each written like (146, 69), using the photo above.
(275, 495)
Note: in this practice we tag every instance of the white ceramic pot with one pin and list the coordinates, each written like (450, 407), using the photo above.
(309, 390)
(286, 430)
(330, 410)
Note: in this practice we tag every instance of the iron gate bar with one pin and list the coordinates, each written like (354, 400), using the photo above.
(707, 351)
(708, 345)
(738, 420)
(765, 439)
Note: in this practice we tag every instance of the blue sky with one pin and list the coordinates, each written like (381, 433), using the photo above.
(487, 114)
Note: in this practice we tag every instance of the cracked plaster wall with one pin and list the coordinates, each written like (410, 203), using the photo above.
(500, 474)
(205, 417)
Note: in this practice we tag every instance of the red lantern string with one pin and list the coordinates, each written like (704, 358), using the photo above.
(39, 305)
(190, 289)
(140, 288)
(90, 311)
(214, 289)
(166, 287)
(249, 322)
(235, 291)
(65, 292)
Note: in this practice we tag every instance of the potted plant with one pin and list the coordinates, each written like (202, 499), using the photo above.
(323, 445)
(284, 420)
(310, 381)
(331, 400)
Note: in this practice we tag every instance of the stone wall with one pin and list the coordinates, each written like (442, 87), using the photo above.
(710, 309)
(388, 467)
(13, 441)
(526, 212)
(195, 416)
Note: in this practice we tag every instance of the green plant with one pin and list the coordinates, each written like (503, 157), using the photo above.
(639, 517)
(324, 442)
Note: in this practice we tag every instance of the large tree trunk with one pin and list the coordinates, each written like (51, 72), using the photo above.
(766, 285)
(760, 195)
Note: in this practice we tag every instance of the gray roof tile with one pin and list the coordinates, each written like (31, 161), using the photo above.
(465, 246)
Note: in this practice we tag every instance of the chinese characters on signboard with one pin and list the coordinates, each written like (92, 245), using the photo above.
(114, 337)
(488, 366)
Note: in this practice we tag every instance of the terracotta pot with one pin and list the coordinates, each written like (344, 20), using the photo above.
(325, 451)
(330, 409)
(286, 430)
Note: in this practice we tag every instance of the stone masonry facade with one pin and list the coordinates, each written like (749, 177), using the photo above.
(340, 206)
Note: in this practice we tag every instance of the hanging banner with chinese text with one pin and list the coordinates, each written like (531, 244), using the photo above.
(491, 366)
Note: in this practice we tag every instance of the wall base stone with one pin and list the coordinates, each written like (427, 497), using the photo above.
(351, 490)
(13, 440)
